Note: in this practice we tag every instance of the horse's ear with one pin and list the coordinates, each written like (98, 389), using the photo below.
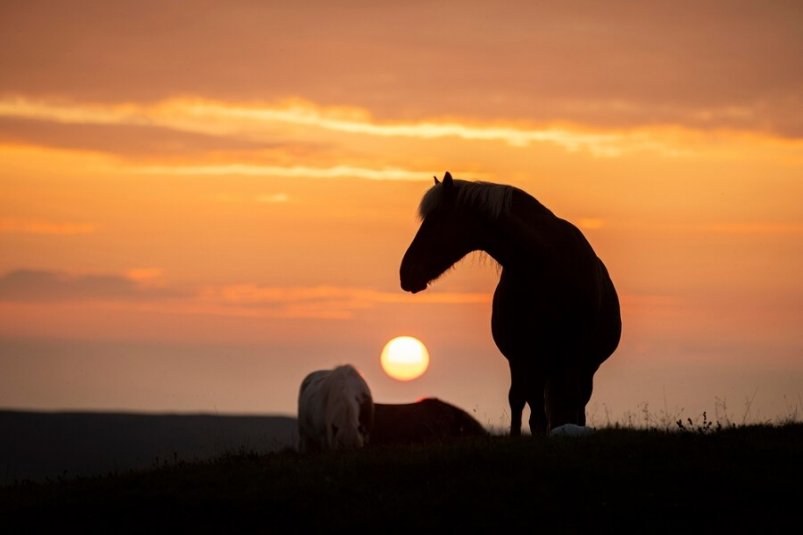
(447, 180)
(436, 180)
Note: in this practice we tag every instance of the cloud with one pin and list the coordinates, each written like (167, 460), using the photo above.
(273, 198)
(12, 225)
(110, 134)
(262, 198)
(339, 171)
(145, 287)
(207, 123)
(50, 286)
(708, 64)
(329, 302)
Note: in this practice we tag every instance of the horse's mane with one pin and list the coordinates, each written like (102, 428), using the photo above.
(486, 197)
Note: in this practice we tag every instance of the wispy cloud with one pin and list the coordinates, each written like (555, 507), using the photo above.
(52, 286)
(339, 171)
(10, 225)
(359, 122)
(144, 288)
(264, 122)
(273, 198)
(332, 302)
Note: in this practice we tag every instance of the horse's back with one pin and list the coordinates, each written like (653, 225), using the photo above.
(567, 303)
(427, 420)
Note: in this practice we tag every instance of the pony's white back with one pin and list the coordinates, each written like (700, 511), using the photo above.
(335, 410)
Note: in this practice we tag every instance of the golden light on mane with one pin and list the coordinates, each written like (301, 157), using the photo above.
(493, 199)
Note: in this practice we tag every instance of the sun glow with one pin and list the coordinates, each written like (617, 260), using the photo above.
(405, 358)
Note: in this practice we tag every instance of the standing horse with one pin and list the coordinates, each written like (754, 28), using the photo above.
(555, 310)
(335, 410)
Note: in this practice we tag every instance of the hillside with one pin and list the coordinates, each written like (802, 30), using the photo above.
(657, 482)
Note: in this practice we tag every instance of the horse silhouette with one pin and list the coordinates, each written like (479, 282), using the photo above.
(555, 314)
(427, 420)
(335, 410)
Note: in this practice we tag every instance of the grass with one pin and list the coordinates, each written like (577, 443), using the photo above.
(698, 479)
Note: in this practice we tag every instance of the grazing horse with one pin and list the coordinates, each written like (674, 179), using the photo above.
(555, 310)
(335, 410)
(427, 420)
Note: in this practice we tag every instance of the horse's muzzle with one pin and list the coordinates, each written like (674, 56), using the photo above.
(411, 287)
(411, 279)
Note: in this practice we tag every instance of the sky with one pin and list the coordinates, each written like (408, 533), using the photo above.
(202, 202)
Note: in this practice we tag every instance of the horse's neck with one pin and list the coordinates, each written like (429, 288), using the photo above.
(523, 236)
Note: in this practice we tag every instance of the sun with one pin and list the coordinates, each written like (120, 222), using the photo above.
(405, 358)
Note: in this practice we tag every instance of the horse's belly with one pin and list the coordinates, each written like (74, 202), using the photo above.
(519, 324)
(542, 322)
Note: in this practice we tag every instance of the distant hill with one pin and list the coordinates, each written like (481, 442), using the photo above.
(41, 445)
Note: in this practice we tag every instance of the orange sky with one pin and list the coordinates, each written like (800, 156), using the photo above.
(200, 203)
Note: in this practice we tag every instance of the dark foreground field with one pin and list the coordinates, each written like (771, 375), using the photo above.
(639, 481)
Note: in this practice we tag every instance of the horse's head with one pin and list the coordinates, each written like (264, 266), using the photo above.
(448, 232)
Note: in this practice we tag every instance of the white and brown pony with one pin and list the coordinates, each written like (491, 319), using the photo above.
(335, 410)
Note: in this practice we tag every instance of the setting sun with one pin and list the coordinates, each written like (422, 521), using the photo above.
(405, 358)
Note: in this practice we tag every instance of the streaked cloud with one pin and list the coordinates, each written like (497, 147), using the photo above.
(264, 123)
(273, 198)
(332, 302)
(11, 225)
(339, 171)
(50, 286)
(145, 275)
(356, 121)
(714, 64)
(145, 287)
(99, 133)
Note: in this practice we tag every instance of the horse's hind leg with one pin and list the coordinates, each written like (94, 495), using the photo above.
(516, 400)
(586, 386)
(516, 397)
(564, 399)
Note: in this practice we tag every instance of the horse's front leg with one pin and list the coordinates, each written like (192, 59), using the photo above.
(567, 393)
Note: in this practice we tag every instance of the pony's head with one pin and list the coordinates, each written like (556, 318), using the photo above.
(455, 216)
(349, 428)
(350, 408)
